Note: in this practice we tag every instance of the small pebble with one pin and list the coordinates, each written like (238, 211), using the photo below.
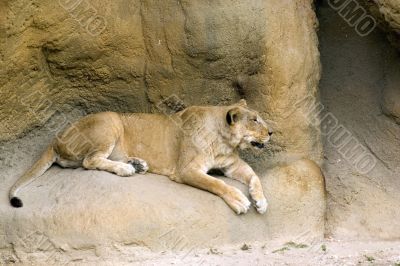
(245, 247)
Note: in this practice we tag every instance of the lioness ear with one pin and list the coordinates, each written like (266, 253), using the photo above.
(242, 102)
(232, 116)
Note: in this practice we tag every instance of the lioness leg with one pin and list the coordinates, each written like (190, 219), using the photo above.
(242, 172)
(98, 160)
(232, 196)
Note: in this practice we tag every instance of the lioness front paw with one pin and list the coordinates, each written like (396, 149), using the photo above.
(140, 165)
(261, 205)
(256, 193)
(237, 201)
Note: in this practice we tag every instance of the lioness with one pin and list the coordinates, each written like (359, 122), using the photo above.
(183, 146)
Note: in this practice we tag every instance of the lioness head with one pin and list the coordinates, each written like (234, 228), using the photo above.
(248, 126)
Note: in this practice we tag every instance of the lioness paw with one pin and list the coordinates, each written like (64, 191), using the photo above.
(237, 201)
(139, 164)
(261, 205)
(125, 170)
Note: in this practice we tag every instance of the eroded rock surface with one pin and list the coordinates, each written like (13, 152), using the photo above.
(63, 59)
(357, 75)
(391, 91)
(55, 61)
(93, 210)
(387, 12)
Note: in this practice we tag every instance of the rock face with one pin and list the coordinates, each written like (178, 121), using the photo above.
(55, 60)
(357, 75)
(387, 16)
(391, 91)
(63, 59)
(391, 103)
(387, 13)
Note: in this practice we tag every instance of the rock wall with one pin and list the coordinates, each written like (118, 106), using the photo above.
(387, 14)
(357, 75)
(63, 59)
(390, 103)
(55, 60)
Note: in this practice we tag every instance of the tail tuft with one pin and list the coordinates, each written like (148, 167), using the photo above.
(16, 202)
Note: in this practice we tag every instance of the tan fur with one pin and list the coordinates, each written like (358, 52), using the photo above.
(183, 146)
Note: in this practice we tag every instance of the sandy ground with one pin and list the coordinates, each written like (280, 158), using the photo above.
(326, 253)
(329, 252)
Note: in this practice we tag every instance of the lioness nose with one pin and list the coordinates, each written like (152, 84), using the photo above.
(270, 132)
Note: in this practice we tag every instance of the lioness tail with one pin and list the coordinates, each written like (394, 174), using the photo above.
(44, 163)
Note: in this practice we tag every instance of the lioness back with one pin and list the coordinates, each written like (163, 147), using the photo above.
(153, 137)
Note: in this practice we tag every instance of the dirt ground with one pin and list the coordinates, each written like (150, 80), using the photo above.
(325, 253)
(329, 252)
